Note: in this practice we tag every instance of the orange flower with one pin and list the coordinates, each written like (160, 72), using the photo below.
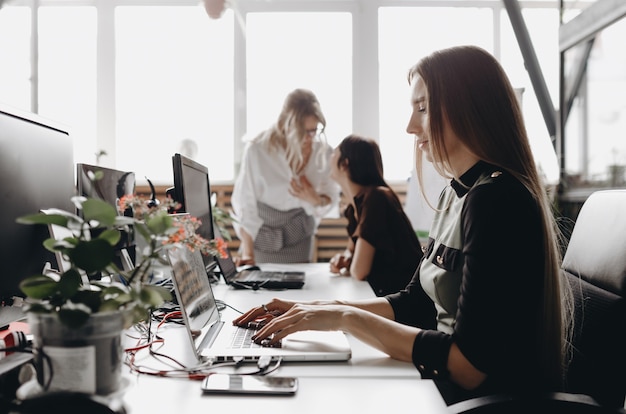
(222, 247)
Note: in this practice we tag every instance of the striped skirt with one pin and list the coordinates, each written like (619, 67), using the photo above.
(285, 236)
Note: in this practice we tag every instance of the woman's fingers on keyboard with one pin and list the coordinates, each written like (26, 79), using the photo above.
(249, 316)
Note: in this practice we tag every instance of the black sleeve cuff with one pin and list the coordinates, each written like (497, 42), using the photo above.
(430, 354)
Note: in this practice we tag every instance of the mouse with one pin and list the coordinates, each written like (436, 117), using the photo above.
(251, 267)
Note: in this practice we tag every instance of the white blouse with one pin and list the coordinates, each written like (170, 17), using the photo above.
(265, 177)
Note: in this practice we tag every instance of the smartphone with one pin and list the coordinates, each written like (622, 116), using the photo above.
(249, 384)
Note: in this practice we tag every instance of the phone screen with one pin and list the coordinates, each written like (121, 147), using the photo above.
(249, 384)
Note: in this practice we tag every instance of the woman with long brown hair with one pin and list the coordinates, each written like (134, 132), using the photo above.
(487, 310)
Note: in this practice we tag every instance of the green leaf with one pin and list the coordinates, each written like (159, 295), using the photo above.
(139, 313)
(154, 296)
(124, 297)
(93, 255)
(100, 211)
(69, 283)
(55, 245)
(166, 294)
(143, 230)
(113, 290)
(74, 315)
(121, 221)
(38, 307)
(113, 236)
(39, 286)
(110, 305)
(160, 223)
(90, 298)
(41, 218)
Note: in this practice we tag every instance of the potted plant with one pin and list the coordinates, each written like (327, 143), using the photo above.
(77, 321)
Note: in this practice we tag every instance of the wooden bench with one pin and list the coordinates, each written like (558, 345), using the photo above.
(331, 237)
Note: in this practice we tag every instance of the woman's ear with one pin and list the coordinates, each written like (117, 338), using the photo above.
(343, 165)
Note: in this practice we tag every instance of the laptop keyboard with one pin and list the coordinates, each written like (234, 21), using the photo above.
(242, 338)
(260, 276)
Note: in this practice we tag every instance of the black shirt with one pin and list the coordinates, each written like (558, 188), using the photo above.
(383, 224)
(483, 272)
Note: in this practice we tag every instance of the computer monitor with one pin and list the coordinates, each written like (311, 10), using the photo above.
(113, 185)
(36, 172)
(193, 191)
(110, 186)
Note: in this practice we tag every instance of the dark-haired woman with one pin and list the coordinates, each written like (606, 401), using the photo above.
(383, 247)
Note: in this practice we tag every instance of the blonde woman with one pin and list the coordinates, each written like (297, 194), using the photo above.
(284, 187)
(486, 310)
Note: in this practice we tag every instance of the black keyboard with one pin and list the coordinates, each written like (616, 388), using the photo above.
(260, 276)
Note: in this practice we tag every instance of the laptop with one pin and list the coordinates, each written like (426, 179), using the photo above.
(193, 191)
(257, 278)
(215, 340)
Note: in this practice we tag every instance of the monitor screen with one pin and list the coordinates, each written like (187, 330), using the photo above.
(193, 192)
(36, 172)
(112, 185)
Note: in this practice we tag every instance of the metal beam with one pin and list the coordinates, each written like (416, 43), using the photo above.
(532, 65)
(592, 19)
(574, 79)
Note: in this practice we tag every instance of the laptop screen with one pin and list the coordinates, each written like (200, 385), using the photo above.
(194, 293)
(226, 264)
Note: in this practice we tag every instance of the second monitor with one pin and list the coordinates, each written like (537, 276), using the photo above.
(193, 191)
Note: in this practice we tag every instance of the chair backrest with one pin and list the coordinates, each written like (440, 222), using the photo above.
(545, 403)
(595, 265)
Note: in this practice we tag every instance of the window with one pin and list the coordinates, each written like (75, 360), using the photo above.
(406, 34)
(174, 89)
(15, 69)
(67, 73)
(143, 80)
(595, 149)
(293, 50)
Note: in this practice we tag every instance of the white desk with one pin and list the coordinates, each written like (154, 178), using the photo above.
(314, 395)
(368, 382)
(321, 284)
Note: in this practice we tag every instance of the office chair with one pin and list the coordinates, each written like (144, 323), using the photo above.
(595, 266)
(556, 402)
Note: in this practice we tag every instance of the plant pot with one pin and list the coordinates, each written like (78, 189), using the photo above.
(87, 359)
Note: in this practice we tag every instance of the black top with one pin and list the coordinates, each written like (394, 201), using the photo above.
(490, 259)
(383, 224)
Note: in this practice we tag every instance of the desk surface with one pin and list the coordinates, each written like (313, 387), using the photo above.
(314, 395)
(369, 379)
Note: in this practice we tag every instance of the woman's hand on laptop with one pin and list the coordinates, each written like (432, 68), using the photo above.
(264, 313)
(301, 317)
